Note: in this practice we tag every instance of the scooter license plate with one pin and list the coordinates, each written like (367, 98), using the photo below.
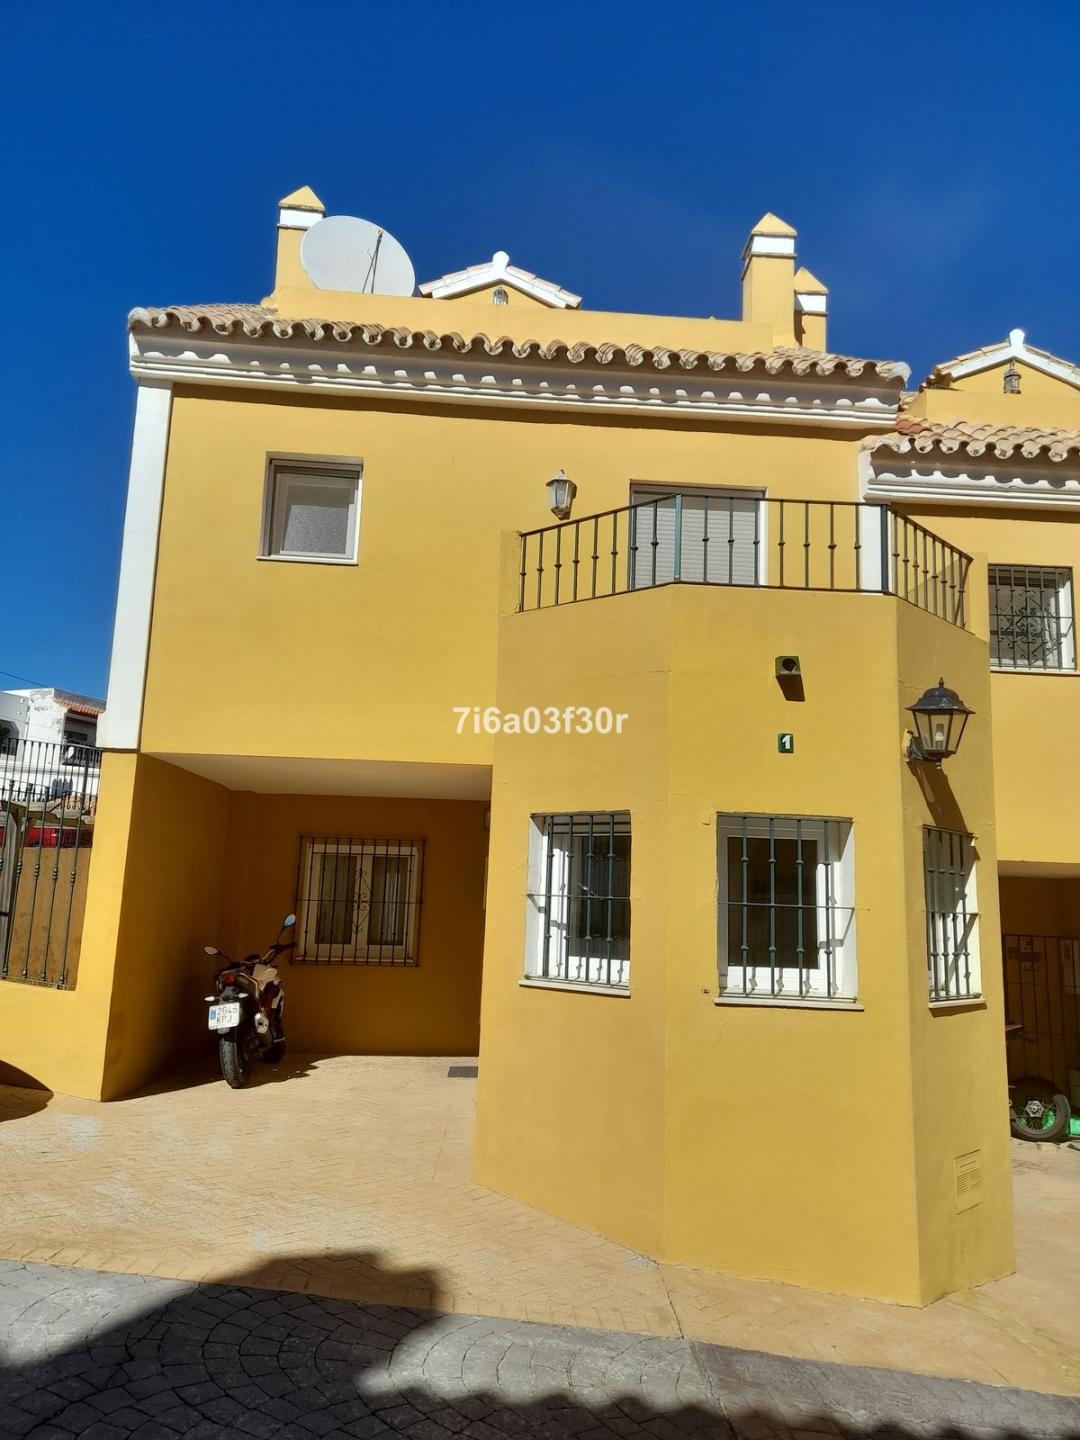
(224, 1017)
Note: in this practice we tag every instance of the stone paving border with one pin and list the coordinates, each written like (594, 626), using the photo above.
(92, 1356)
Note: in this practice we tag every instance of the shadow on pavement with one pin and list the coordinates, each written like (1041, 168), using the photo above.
(202, 1068)
(20, 1095)
(102, 1357)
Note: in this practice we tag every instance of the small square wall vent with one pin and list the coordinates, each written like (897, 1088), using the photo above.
(968, 1175)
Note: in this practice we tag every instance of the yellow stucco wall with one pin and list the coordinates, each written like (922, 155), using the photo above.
(171, 901)
(347, 661)
(1043, 400)
(1040, 905)
(1036, 784)
(474, 315)
(797, 1144)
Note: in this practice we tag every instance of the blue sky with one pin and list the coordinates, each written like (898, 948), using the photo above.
(927, 154)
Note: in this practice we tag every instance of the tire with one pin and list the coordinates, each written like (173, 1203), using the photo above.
(235, 1056)
(1038, 1111)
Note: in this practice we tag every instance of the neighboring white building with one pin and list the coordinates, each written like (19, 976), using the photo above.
(56, 717)
(48, 748)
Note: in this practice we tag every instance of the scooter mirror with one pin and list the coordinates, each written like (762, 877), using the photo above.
(211, 950)
(289, 920)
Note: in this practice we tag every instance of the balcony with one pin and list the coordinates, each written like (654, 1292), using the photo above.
(747, 542)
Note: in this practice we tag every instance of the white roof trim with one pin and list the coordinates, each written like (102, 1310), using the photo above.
(1014, 348)
(412, 375)
(885, 475)
(499, 271)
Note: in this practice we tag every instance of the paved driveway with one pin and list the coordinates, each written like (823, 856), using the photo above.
(349, 1178)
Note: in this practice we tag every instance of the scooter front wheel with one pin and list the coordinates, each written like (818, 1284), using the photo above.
(235, 1058)
(1038, 1110)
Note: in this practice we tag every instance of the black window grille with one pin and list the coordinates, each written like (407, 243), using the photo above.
(951, 916)
(358, 901)
(1031, 618)
(786, 919)
(579, 899)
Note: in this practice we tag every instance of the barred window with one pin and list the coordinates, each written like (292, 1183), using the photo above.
(358, 901)
(952, 935)
(578, 926)
(786, 918)
(1031, 618)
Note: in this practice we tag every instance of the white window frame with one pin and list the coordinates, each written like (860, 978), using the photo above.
(284, 472)
(834, 886)
(953, 963)
(548, 912)
(1066, 617)
(356, 951)
(642, 491)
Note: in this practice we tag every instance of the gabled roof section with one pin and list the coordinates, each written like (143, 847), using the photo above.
(256, 322)
(499, 271)
(991, 356)
(967, 438)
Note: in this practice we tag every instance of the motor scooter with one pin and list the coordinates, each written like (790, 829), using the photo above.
(247, 1007)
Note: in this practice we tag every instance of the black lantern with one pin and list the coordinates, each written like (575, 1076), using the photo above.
(561, 491)
(940, 717)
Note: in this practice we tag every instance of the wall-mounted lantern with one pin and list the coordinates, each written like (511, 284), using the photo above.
(561, 491)
(1011, 379)
(940, 718)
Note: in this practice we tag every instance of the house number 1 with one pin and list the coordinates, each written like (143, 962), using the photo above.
(785, 742)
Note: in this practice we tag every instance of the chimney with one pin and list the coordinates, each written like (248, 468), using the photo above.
(811, 310)
(768, 278)
(296, 213)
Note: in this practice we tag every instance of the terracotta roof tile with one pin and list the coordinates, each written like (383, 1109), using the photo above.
(1000, 441)
(257, 321)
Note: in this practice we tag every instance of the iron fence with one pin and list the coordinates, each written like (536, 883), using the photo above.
(48, 803)
(742, 540)
(1042, 998)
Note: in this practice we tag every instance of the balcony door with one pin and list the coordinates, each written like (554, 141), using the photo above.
(713, 537)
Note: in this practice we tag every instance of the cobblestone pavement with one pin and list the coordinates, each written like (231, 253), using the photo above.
(369, 1198)
(101, 1357)
(90, 1356)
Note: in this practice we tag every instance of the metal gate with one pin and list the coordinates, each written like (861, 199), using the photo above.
(48, 800)
(1042, 997)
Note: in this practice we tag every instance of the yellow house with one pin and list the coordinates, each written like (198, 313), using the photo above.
(644, 766)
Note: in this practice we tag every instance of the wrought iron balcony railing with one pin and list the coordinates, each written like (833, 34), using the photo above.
(747, 541)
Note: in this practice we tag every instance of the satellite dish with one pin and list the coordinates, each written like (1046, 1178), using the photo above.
(343, 253)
